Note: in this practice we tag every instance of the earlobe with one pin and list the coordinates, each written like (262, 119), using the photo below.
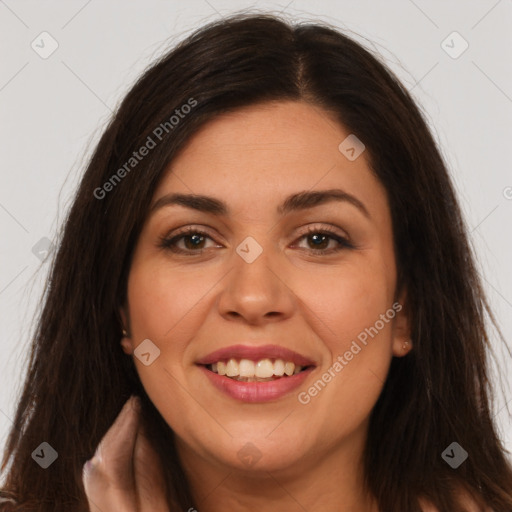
(402, 343)
(401, 348)
(126, 343)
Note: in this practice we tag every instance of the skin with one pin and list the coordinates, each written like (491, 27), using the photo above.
(314, 304)
(125, 471)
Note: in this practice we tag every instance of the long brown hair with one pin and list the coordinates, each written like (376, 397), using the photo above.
(78, 377)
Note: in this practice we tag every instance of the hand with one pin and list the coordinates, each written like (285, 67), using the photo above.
(125, 473)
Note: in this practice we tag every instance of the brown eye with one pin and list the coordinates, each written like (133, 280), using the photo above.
(318, 241)
(196, 241)
(193, 241)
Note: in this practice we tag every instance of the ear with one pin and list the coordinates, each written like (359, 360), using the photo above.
(402, 343)
(126, 341)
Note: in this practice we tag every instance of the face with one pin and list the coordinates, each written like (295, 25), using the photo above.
(259, 276)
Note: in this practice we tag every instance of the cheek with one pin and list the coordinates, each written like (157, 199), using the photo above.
(343, 302)
(168, 307)
(157, 303)
(165, 308)
(162, 301)
(354, 319)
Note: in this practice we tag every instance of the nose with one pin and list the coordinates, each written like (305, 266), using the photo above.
(256, 292)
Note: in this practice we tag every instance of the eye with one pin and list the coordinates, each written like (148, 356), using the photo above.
(320, 239)
(194, 240)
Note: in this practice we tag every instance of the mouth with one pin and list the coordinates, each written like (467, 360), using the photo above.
(256, 374)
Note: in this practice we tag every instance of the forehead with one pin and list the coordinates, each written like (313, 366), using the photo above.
(257, 155)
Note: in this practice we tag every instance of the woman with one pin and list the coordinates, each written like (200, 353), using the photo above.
(266, 248)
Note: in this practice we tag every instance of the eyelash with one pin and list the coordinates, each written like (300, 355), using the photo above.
(170, 243)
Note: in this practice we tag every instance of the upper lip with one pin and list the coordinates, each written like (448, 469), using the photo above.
(255, 353)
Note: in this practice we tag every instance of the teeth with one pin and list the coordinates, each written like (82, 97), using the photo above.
(263, 370)
(232, 368)
(279, 367)
(289, 368)
(246, 368)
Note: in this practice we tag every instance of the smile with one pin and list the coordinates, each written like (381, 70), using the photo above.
(250, 373)
(246, 370)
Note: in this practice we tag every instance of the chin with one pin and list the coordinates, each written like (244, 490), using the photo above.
(260, 454)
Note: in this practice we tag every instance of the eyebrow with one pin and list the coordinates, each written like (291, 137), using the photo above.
(295, 202)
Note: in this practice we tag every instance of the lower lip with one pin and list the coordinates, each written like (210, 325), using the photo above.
(256, 391)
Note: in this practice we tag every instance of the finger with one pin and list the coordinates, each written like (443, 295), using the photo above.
(115, 451)
(108, 477)
(149, 475)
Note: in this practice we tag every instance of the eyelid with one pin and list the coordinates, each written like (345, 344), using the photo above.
(186, 228)
(163, 240)
(169, 241)
(191, 228)
(333, 232)
(319, 226)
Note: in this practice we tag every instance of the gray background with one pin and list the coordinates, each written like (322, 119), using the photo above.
(53, 111)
